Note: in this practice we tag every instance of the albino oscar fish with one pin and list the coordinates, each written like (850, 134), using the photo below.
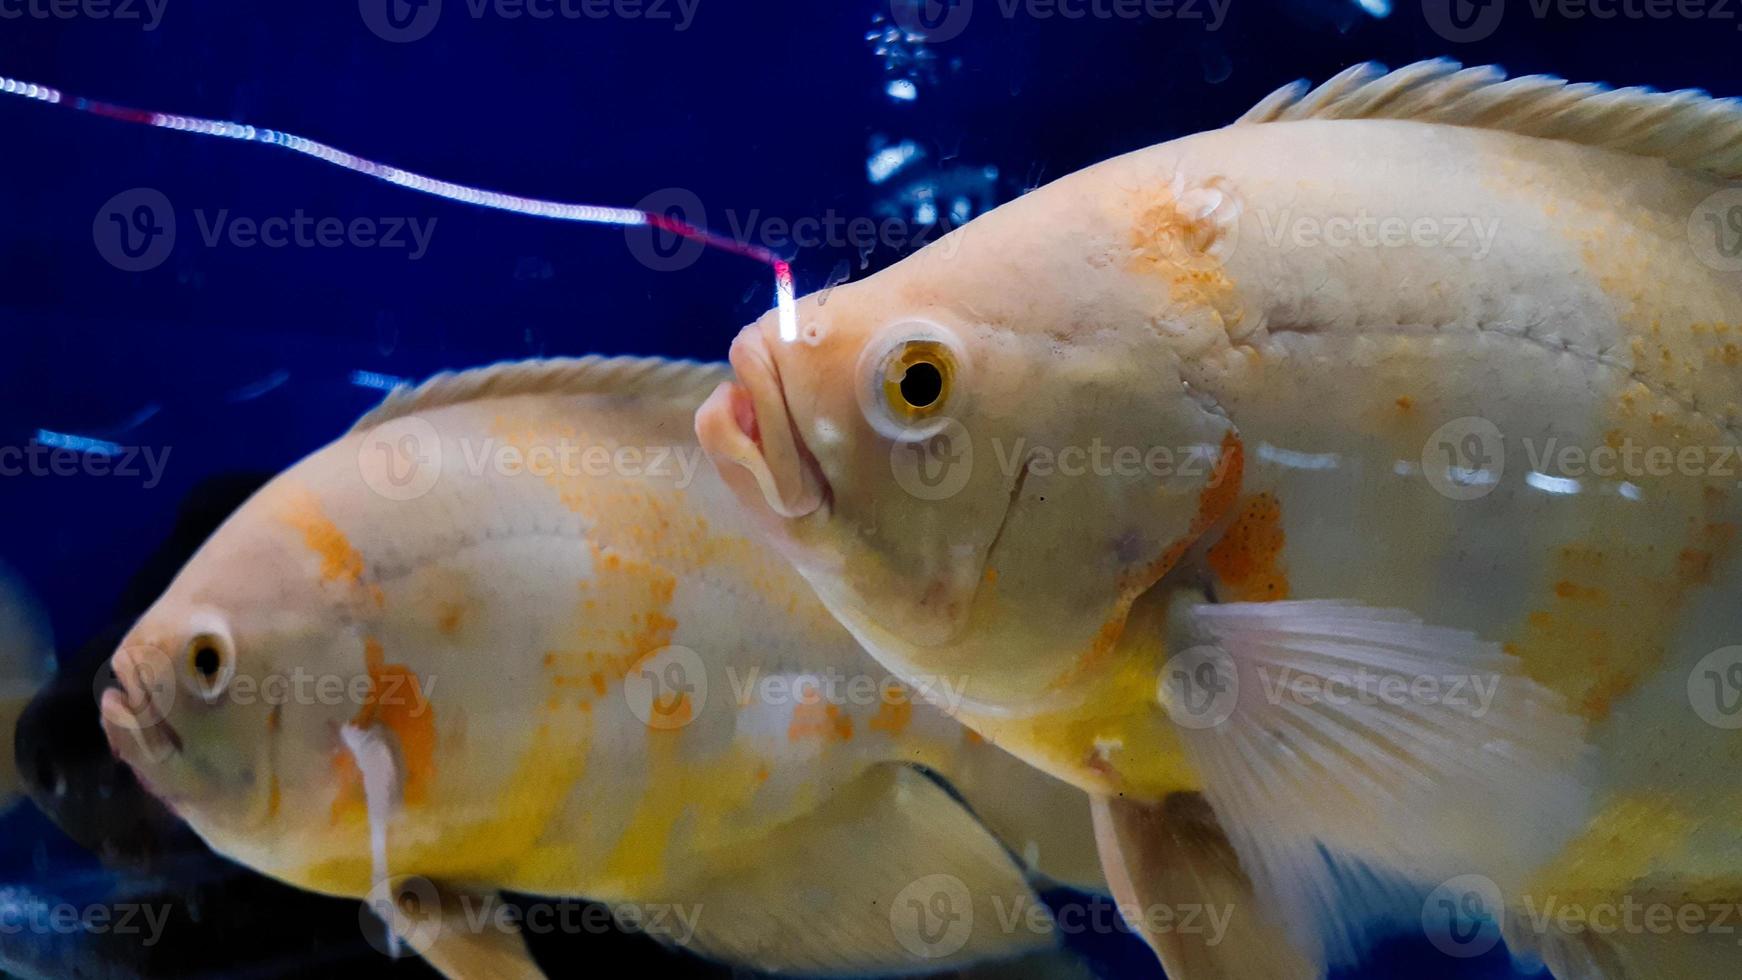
(26, 664)
(1363, 474)
(511, 633)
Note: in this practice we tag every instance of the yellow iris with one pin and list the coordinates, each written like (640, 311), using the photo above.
(917, 379)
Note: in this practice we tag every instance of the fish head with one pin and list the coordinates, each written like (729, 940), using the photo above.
(214, 697)
(977, 457)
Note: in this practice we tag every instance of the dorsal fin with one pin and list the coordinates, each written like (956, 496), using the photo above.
(1689, 128)
(594, 374)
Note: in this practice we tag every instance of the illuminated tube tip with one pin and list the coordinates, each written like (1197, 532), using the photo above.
(783, 301)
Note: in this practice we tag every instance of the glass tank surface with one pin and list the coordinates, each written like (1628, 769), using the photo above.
(983, 488)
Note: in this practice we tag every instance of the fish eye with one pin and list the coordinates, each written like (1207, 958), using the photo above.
(922, 386)
(913, 379)
(209, 664)
(916, 377)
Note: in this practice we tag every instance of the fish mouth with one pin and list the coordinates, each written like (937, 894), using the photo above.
(135, 714)
(748, 424)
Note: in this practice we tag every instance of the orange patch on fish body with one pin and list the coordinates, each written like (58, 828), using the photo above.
(892, 717)
(1214, 502)
(396, 702)
(1604, 630)
(819, 720)
(622, 618)
(1248, 558)
(503, 843)
(1178, 241)
(449, 615)
(340, 561)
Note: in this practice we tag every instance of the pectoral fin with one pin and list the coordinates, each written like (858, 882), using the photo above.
(1328, 728)
(891, 875)
(1171, 864)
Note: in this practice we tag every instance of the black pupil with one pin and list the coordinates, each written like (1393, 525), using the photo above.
(206, 661)
(922, 385)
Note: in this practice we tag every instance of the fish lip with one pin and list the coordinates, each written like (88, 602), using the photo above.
(138, 742)
(136, 725)
(748, 422)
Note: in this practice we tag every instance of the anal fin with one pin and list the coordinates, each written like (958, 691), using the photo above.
(892, 875)
(438, 925)
(1173, 856)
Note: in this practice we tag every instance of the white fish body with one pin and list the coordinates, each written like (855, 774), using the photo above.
(585, 678)
(1384, 309)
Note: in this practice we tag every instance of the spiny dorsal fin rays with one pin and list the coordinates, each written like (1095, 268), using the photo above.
(1688, 128)
(591, 375)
